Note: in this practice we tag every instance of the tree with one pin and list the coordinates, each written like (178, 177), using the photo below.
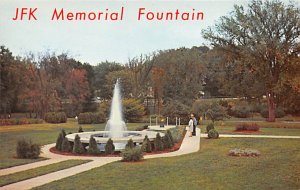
(129, 144)
(77, 88)
(109, 147)
(181, 74)
(158, 143)
(78, 147)
(262, 40)
(11, 74)
(134, 109)
(93, 148)
(146, 147)
(100, 72)
(66, 146)
(59, 141)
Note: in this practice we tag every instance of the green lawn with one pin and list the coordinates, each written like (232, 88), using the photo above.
(39, 133)
(210, 168)
(23, 175)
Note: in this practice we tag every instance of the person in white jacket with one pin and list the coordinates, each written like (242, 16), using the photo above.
(191, 126)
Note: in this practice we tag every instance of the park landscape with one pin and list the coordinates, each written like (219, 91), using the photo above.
(243, 89)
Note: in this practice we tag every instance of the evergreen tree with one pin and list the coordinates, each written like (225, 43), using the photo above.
(158, 143)
(59, 141)
(93, 148)
(170, 137)
(63, 132)
(78, 147)
(80, 130)
(109, 147)
(129, 144)
(167, 141)
(66, 146)
(146, 147)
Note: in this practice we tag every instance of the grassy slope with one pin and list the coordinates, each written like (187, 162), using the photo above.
(277, 168)
(39, 133)
(23, 175)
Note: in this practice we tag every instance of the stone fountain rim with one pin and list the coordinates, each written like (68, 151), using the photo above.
(85, 136)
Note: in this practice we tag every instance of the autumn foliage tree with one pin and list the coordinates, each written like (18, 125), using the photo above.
(77, 88)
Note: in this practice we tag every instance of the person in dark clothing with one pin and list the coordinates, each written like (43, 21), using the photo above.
(195, 124)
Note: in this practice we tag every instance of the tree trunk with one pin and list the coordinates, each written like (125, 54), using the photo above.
(271, 106)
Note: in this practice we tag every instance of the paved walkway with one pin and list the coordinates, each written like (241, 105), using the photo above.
(189, 145)
(257, 136)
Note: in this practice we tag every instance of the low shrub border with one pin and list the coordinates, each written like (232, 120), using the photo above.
(22, 121)
(118, 154)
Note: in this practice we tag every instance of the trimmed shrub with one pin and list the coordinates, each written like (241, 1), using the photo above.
(158, 143)
(171, 137)
(240, 111)
(91, 118)
(78, 147)
(17, 121)
(213, 134)
(209, 127)
(109, 147)
(66, 146)
(56, 117)
(80, 130)
(59, 141)
(25, 149)
(129, 144)
(177, 133)
(244, 152)
(146, 147)
(279, 113)
(93, 148)
(167, 141)
(63, 132)
(132, 154)
(247, 127)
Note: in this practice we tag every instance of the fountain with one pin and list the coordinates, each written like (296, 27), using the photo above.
(115, 125)
(115, 128)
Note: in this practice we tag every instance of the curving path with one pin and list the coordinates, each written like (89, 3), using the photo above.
(189, 145)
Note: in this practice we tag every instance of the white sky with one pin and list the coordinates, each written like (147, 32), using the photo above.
(96, 41)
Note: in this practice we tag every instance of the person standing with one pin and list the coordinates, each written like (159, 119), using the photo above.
(191, 127)
(194, 124)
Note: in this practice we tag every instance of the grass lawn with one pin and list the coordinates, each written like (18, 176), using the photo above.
(23, 175)
(210, 168)
(267, 128)
(39, 133)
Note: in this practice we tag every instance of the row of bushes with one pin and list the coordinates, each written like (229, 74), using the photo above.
(91, 118)
(131, 152)
(21, 121)
(56, 117)
(244, 111)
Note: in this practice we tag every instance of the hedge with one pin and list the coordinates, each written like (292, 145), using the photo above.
(56, 117)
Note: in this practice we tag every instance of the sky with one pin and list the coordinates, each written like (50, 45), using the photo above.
(97, 41)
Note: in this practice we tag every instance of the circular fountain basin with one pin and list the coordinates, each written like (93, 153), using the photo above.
(102, 137)
(159, 128)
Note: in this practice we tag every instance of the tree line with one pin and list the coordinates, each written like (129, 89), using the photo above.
(254, 55)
